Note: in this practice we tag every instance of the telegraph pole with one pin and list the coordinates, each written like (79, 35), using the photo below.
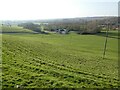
(105, 45)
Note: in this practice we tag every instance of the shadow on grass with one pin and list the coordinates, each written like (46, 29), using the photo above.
(24, 33)
(110, 35)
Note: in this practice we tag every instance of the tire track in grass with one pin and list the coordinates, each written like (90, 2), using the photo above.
(56, 74)
(58, 67)
(69, 69)
(23, 72)
(62, 72)
(73, 70)
(31, 76)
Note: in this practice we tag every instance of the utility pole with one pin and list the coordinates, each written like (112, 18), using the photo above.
(105, 45)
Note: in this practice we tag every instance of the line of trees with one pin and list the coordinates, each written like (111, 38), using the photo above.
(80, 28)
(31, 26)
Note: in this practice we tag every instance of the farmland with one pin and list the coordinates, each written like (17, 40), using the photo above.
(57, 61)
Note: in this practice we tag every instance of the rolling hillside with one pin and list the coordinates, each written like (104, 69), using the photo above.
(15, 29)
(57, 61)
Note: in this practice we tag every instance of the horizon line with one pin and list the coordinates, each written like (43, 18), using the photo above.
(58, 18)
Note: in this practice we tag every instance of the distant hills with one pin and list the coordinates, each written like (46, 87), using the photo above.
(64, 20)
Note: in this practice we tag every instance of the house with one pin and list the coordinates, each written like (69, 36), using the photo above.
(62, 31)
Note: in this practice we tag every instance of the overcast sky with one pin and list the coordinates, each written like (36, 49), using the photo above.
(50, 9)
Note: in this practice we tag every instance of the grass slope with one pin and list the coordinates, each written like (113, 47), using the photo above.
(55, 61)
(15, 29)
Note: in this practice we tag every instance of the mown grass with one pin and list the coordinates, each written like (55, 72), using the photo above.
(111, 34)
(57, 61)
(14, 29)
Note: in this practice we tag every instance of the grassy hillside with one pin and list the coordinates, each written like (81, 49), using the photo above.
(111, 34)
(15, 29)
(44, 61)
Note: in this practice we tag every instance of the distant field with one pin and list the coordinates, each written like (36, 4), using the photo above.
(15, 29)
(57, 61)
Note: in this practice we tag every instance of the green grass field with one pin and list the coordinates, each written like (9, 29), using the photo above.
(57, 61)
(15, 29)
